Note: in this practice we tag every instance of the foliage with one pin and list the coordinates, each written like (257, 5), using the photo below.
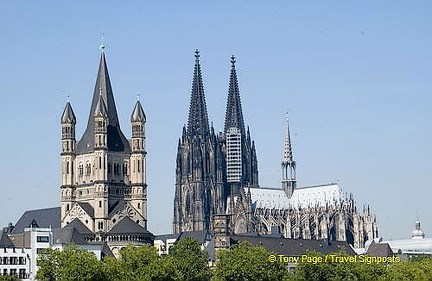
(186, 261)
(332, 270)
(9, 278)
(190, 260)
(247, 262)
(71, 263)
(419, 268)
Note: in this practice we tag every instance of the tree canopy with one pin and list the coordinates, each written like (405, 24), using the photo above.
(187, 261)
(247, 262)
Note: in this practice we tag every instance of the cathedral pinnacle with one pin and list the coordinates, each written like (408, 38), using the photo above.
(198, 119)
(234, 114)
(288, 155)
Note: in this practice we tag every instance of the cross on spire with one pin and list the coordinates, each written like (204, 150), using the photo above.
(102, 45)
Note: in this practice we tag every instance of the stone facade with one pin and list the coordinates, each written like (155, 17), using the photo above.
(218, 175)
(104, 174)
(213, 169)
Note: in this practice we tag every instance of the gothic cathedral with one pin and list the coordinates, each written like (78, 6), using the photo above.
(212, 170)
(217, 174)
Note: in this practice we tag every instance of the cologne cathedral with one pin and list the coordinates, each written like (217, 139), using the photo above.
(217, 174)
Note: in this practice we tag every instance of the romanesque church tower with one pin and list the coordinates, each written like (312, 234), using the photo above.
(104, 185)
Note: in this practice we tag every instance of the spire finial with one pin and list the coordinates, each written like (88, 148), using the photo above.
(233, 61)
(286, 116)
(67, 98)
(102, 45)
(197, 54)
(138, 97)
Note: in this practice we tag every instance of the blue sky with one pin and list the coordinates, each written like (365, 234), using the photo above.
(355, 77)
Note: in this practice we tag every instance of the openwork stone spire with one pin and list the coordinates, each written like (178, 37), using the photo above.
(289, 181)
(288, 155)
(198, 119)
(234, 115)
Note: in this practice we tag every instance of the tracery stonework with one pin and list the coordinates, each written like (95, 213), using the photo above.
(217, 174)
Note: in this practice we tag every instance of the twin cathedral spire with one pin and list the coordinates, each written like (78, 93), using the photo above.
(212, 168)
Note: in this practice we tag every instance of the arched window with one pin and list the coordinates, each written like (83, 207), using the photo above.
(88, 169)
(80, 170)
(67, 167)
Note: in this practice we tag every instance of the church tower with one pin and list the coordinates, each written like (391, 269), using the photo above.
(240, 157)
(103, 175)
(289, 181)
(241, 160)
(200, 167)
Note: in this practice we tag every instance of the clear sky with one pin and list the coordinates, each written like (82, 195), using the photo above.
(355, 77)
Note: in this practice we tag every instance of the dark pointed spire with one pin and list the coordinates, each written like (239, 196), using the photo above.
(115, 138)
(198, 119)
(103, 88)
(68, 115)
(100, 109)
(138, 114)
(234, 115)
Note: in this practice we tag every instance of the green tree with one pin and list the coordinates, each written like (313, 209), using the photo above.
(71, 263)
(190, 261)
(332, 270)
(418, 269)
(139, 263)
(247, 262)
(9, 278)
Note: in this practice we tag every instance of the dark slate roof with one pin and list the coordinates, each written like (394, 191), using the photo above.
(200, 236)
(294, 247)
(128, 226)
(87, 207)
(211, 250)
(5, 242)
(379, 250)
(106, 251)
(116, 140)
(100, 109)
(138, 113)
(164, 237)
(68, 235)
(79, 226)
(43, 218)
(68, 115)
